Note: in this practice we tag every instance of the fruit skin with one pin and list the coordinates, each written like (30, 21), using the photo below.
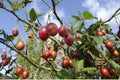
(71, 63)
(65, 63)
(103, 31)
(111, 70)
(109, 45)
(43, 33)
(77, 36)
(3, 56)
(30, 36)
(69, 40)
(46, 54)
(25, 74)
(20, 45)
(115, 53)
(99, 33)
(19, 71)
(104, 71)
(5, 62)
(15, 32)
(53, 54)
(75, 55)
(62, 31)
(52, 29)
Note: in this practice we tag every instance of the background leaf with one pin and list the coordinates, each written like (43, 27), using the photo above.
(87, 15)
(32, 14)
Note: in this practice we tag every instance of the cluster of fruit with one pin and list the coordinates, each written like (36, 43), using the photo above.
(51, 29)
(66, 63)
(22, 71)
(5, 59)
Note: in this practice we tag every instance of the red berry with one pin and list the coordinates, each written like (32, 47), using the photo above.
(62, 31)
(99, 33)
(109, 45)
(71, 63)
(3, 56)
(65, 63)
(69, 40)
(77, 36)
(105, 72)
(25, 74)
(115, 53)
(53, 54)
(43, 33)
(15, 32)
(19, 71)
(20, 45)
(52, 29)
(5, 62)
(46, 54)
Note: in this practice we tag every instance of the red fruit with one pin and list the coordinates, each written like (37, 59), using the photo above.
(5, 62)
(105, 72)
(30, 35)
(3, 56)
(46, 54)
(111, 70)
(62, 31)
(77, 36)
(53, 54)
(103, 31)
(15, 32)
(99, 33)
(75, 54)
(109, 45)
(118, 34)
(19, 71)
(25, 74)
(52, 29)
(115, 53)
(43, 33)
(69, 40)
(65, 63)
(20, 45)
(71, 63)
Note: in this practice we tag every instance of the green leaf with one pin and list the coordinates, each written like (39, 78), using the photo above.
(116, 67)
(63, 74)
(87, 15)
(10, 37)
(32, 14)
(10, 3)
(89, 69)
(98, 39)
(79, 65)
(75, 17)
(39, 15)
(79, 26)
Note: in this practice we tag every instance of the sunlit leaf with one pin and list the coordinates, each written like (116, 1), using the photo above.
(89, 69)
(75, 17)
(87, 15)
(32, 14)
(98, 39)
(79, 65)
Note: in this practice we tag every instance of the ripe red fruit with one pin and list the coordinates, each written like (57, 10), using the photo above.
(46, 54)
(103, 31)
(52, 29)
(69, 40)
(118, 34)
(15, 32)
(25, 74)
(53, 54)
(109, 45)
(43, 33)
(105, 72)
(3, 56)
(111, 70)
(65, 63)
(19, 71)
(115, 53)
(30, 35)
(77, 36)
(5, 62)
(71, 63)
(20, 45)
(62, 31)
(99, 33)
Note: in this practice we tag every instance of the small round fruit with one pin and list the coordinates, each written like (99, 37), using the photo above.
(15, 32)
(53, 54)
(105, 72)
(3, 56)
(109, 45)
(115, 53)
(71, 63)
(25, 74)
(30, 36)
(43, 33)
(46, 54)
(111, 70)
(65, 63)
(52, 29)
(99, 33)
(103, 31)
(20, 45)
(19, 71)
(62, 31)
(77, 36)
(5, 62)
(69, 40)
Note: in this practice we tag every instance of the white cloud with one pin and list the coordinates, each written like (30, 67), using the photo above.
(103, 9)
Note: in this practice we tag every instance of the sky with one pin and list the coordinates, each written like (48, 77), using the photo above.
(103, 9)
